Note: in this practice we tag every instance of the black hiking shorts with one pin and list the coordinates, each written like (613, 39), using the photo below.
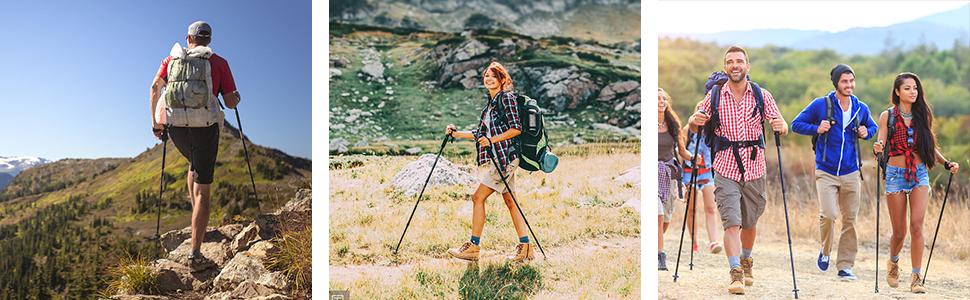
(199, 145)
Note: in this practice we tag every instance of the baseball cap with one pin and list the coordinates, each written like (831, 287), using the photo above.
(200, 29)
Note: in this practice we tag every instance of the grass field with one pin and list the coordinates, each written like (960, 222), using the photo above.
(591, 239)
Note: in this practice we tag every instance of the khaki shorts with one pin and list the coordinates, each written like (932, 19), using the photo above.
(489, 176)
(739, 203)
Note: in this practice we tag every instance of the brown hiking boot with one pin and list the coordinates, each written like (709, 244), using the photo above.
(893, 276)
(746, 265)
(737, 286)
(523, 253)
(916, 286)
(467, 251)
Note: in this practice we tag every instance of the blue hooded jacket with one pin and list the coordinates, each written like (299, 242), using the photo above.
(840, 145)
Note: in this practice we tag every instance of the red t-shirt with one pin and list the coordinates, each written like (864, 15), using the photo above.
(222, 82)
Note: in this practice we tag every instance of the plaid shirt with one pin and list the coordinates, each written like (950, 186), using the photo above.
(498, 125)
(738, 124)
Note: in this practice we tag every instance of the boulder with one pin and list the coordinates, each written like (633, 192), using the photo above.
(339, 145)
(410, 179)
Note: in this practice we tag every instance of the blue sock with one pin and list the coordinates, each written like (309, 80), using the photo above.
(745, 253)
(524, 239)
(894, 258)
(915, 270)
(476, 240)
(734, 261)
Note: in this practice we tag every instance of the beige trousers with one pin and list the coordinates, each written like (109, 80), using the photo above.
(838, 196)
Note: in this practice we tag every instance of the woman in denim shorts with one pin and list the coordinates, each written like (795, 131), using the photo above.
(911, 152)
(705, 189)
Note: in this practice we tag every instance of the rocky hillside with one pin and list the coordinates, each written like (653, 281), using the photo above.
(64, 224)
(602, 20)
(403, 84)
(241, 260)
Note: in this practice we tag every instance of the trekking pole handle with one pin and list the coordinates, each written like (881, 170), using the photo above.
(777, 139)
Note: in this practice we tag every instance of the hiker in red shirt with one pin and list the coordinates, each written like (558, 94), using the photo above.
(735, 128)
(192, 118)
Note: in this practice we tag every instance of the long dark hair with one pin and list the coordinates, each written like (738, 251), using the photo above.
(671, 117)
(922, 123)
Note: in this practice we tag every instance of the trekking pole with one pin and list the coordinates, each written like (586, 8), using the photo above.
(858, 152)
(443, 143)
(784, 197)
(502, 175)
(879, 177)
(933, 245)
(692, 190)
(246, 152)
(161, 190)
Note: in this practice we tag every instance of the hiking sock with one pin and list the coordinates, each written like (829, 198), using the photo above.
(915, 270)
(524, 239)
(734, 261)
(476, 240)
(746, 253)
(894, 258)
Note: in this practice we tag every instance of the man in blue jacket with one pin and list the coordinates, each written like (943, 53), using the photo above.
(836, 122)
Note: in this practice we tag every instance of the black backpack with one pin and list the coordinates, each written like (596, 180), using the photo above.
(829, 111)
(532, 145)
(718, 143)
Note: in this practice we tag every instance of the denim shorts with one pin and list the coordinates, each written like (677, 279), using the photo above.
(896, 180)
(709, 176)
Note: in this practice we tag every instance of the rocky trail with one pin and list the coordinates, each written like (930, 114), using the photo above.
(234, 263)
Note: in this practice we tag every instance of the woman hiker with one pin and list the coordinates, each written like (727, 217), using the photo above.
(705, 186)
(668, 138)
(498, 124)
(912, 151)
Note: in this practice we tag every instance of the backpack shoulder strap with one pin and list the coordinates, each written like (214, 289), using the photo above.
(829, 110)
(759, 98)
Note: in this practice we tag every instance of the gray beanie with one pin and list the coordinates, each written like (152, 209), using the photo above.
(837, 72)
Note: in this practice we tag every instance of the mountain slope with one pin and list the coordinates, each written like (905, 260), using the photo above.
(81, 228)
(403, 84)
(607, 21)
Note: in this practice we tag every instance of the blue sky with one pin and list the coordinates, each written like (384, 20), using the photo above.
(75, 76)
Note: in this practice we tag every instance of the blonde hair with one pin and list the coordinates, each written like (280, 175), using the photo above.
(502, 74)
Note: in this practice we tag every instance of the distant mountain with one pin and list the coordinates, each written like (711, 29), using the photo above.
(753, 38)
(941, 30)
(958, 18)
(5, 180)
(11, 166)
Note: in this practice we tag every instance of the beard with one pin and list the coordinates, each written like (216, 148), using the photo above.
(739, 78)
(845, 91)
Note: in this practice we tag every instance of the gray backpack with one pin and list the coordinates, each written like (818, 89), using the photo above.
(189, 101)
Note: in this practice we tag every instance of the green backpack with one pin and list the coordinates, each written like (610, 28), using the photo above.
(534, 150)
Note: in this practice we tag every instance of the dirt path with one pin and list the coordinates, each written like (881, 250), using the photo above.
(554, 288)
(948, 279)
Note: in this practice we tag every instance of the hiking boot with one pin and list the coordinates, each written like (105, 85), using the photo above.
(194, 256)
(662, 263)
(746, 265)
(893, 276)
(714, 248)
(737, 284)
(523, 252)
(916, 286)
(467, 251)
(823, 262)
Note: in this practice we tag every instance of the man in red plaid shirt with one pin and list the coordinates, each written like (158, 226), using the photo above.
(740, 193)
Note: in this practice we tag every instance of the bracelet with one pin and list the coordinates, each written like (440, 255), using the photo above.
(946, 164)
